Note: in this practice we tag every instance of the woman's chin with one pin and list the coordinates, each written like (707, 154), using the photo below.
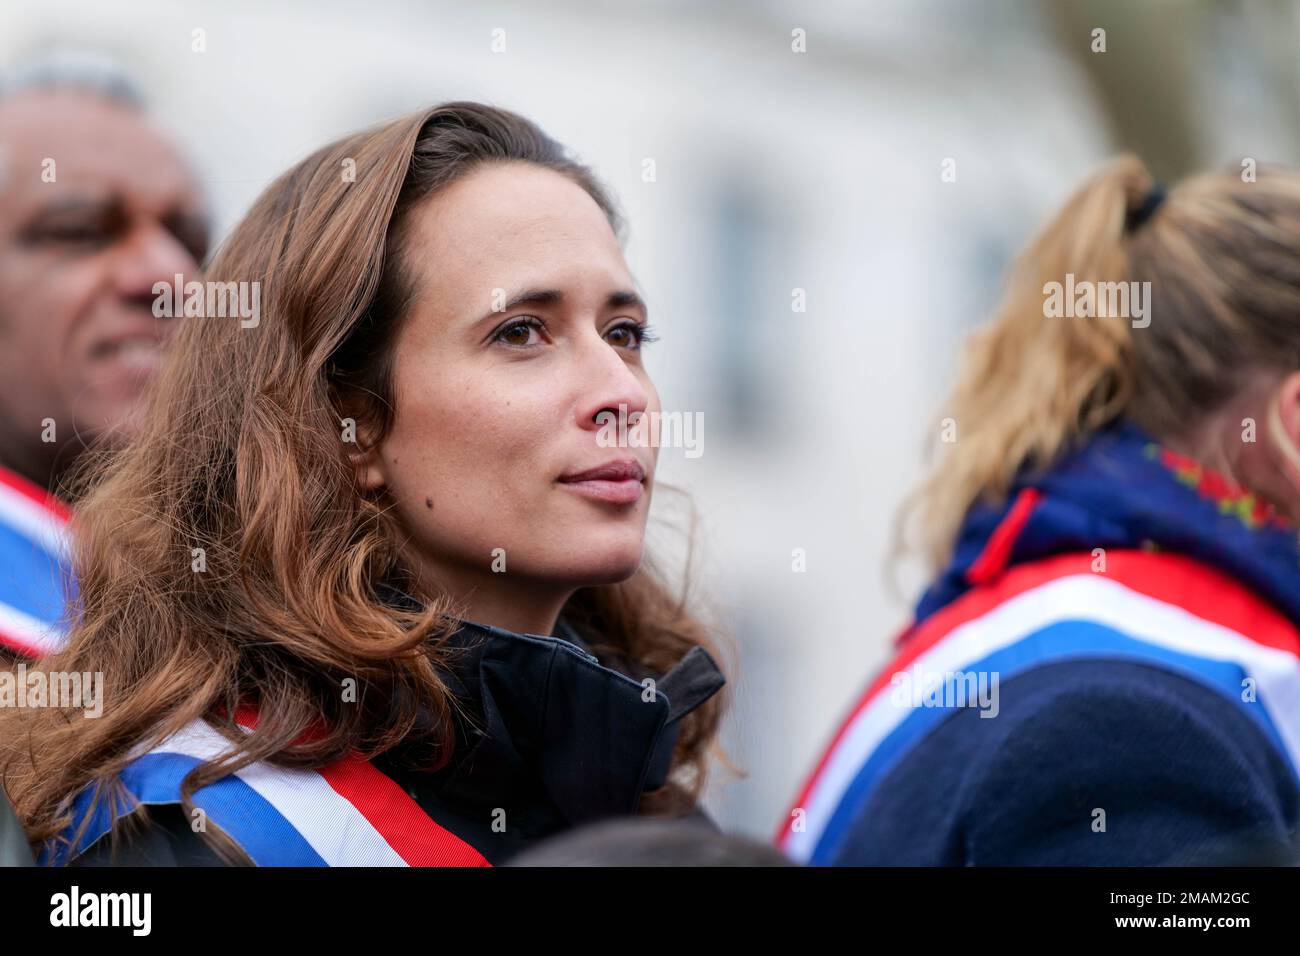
(609, 567)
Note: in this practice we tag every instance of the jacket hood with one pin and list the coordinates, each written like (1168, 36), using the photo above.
(1123, 490)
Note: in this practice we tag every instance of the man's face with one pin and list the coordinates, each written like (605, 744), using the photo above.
(94, 209)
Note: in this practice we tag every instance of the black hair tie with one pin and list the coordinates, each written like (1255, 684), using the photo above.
(1150, 203)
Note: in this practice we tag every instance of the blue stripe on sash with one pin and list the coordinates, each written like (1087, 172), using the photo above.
(243, 813)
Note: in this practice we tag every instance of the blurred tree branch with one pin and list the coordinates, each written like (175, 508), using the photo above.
(1147, 78)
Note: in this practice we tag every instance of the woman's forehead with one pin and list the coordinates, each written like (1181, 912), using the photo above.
(509, 226)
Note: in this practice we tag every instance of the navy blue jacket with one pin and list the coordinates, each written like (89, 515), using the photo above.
(1107, 674)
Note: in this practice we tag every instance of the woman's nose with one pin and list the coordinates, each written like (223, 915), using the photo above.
(608, 384)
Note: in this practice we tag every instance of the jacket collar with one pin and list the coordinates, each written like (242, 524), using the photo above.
(543, 713)
(1123, 490)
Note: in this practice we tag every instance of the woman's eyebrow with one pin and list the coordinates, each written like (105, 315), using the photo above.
(621, 299)
(533, 297)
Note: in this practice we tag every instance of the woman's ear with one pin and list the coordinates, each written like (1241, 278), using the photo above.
(364, 454)
(1284, 427)
(369, 466)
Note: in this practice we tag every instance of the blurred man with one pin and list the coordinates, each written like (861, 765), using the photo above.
(95, 207)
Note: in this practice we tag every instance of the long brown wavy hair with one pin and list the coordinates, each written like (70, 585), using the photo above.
(240, 466)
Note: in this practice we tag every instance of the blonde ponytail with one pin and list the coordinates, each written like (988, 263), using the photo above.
(1030, 384)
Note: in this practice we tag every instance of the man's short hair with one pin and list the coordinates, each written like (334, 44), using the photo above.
(76, 71)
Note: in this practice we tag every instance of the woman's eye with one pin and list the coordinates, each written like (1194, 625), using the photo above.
(522, 333)
(630, 335)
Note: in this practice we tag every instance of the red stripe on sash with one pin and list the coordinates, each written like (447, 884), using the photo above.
(20, 646)
(36, 494)
(398, 818)
(416, 837)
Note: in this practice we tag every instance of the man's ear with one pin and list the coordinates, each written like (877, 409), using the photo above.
(1284, 426)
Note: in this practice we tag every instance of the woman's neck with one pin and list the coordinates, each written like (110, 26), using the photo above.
(513, 614)
(511, 603)
(1235, 442)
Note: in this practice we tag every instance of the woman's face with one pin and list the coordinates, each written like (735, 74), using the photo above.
(524, 327)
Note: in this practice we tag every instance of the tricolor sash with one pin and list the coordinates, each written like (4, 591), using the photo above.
(1164, 610)
(34, 580)
(346, 814)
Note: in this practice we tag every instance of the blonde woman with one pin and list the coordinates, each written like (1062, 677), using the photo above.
(1104, 669)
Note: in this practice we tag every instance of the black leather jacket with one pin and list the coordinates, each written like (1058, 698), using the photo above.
(554, 738)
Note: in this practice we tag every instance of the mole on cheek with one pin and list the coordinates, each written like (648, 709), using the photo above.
(428, 503)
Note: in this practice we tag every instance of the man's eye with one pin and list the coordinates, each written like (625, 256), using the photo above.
(521, 333)
(194, 238)
(73, 235)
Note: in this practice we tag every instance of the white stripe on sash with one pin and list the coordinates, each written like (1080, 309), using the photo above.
(42, 636)
(334, 827)
(32, 520)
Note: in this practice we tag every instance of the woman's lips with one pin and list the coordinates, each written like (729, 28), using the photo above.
(617, 492)
(619, 482)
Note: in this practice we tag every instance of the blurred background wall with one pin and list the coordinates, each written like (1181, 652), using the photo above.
(774, 171)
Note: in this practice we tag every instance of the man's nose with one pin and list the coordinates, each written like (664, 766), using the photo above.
(151, 254)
